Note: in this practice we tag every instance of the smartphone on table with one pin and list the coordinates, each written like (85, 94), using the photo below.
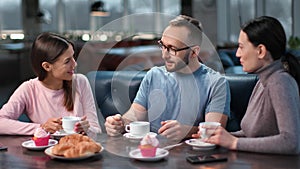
(200, 159)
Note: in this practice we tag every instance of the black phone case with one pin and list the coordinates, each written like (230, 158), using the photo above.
(3, 148)
(196, 160)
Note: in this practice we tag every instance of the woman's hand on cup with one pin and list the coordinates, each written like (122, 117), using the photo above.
(223, 138)
(82, 126)
(52, 125)
(114, 125)
(206, 129)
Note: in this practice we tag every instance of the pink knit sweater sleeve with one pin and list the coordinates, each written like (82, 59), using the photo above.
(11, 111)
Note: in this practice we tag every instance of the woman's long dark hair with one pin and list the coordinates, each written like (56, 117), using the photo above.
(268, 31)
(48, 47)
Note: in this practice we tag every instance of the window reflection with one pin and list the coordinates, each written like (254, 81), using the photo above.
(240, 12)
(73, 15)
(51, 7)
(11, 9)
(233, 13)
(282, 11)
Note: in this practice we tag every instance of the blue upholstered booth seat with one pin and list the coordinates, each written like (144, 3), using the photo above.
(115, 90)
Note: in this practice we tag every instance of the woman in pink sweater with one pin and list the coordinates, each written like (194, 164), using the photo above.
(54, 93)
(272, 121)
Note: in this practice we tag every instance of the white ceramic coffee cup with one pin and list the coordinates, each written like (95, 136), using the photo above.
(211, 127)
(68, 123)
(138, 128)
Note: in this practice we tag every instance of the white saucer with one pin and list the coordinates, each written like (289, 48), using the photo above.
(31, 146)
(130, 136)
(198, 144)
(160, 154)
(59, 134)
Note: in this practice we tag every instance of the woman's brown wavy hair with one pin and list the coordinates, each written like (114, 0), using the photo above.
(48, 47)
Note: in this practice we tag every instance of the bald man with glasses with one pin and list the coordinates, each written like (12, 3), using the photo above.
(176, 97)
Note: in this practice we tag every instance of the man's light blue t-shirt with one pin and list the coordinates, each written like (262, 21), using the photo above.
(183, 97)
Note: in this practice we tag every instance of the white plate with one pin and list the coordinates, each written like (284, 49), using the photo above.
(48, 152)
(198, 144)
(30, 144)
(160, 154)
(130, 136)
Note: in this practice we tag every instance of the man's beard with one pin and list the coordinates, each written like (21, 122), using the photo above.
(181, 64)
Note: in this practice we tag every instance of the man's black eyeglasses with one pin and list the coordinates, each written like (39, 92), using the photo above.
(171, 51)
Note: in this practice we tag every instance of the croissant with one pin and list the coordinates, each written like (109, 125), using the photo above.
(59, 149)
(72, 153)
(88, 147)
(76, 145)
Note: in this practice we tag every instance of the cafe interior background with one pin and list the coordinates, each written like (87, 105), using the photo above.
(22, 20)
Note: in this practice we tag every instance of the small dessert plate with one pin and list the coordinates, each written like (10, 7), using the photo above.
(31, 146)
(130, 136)
(160, 154)
(198, 144)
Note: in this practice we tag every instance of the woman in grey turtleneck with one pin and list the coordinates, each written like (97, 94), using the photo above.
(272, 120)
